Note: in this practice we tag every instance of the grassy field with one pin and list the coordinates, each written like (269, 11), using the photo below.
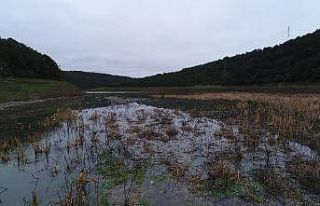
(279, 89)
(19, 89)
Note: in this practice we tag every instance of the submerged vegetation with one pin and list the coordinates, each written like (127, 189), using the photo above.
(208, 149)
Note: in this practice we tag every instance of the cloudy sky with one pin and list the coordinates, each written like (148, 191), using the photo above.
(144, 37)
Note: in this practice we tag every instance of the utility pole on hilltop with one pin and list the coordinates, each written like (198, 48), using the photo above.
(288, 32)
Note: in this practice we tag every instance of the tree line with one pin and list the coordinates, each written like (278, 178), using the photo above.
(294, 61)
(18, 60)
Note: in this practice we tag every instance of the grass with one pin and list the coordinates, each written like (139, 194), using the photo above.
(307, 172)
(118, 173)
(295, 117)
(21, 89)
(36, 117)
(278, 186)
(224, 182)
(280, 89)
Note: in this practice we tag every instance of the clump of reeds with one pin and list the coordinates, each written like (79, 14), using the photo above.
(197, 184)
(65, 115)
(225, 132)
(4, 147)
(81, 182)
(177, 170)
(133, 128)
(148, 134)
(21, 156)
(4, 157)
(277, 185)
(111, 126)
(166, 119)
(8, 145)
(141, 116)
(46, 149)
(221, 177)
(95, 117)
(163, 117)
(185, 127)
(307, 172)
(171, 132)
(37, 149)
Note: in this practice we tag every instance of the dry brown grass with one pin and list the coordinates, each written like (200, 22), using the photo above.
(112, 126)
(171, 132)
(177, 170)
(277, 185)
(243, 96)
(307, 172)
(225, 132)
(297, 114)
(220, 169)
(65, 115)
(148, 134)
(186, 127)
(301, 103)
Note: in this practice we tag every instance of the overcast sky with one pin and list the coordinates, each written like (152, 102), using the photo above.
(144, 37)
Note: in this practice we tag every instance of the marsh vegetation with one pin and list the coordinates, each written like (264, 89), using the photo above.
(208, 149)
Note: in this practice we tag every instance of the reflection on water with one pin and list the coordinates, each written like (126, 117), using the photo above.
(130, 153)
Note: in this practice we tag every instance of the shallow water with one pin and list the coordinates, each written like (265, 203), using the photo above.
(130, 153)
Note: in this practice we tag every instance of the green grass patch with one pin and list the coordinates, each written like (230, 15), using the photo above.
(21, 89)
(225, 188)
(118, 172)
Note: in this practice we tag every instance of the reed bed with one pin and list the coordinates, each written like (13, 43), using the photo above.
(289, 116)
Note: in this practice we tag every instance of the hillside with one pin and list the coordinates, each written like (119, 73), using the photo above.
(295, 61)
(18, 60)
(87, 80)
(26, 74)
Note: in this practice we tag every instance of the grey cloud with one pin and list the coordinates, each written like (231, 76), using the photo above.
(144, 37)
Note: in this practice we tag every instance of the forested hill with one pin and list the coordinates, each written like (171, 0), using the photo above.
(18, 60)
(87, 80)
(297, 60)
